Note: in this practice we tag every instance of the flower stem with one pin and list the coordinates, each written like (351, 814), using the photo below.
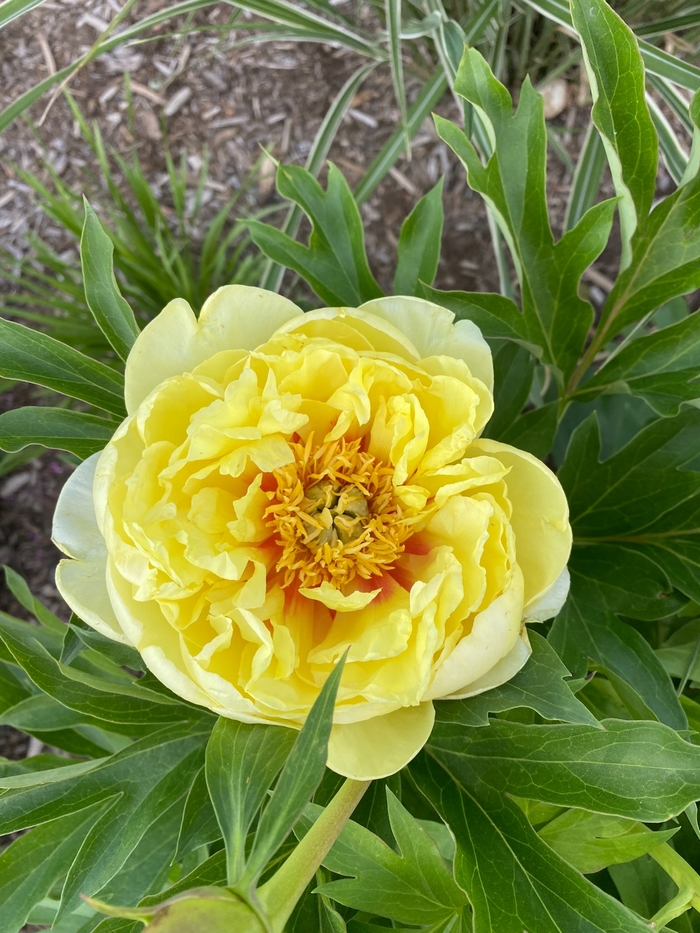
(279, 895)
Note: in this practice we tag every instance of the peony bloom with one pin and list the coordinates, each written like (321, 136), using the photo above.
(291, 485)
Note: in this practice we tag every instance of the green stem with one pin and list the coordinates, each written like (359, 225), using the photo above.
(280, 894)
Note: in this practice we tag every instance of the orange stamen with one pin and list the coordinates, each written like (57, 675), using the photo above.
(336, 515)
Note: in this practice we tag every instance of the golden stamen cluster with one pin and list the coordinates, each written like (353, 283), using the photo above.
(336, 515)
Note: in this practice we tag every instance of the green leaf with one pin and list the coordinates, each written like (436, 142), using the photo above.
(113, 314)
(60, 428)
(199, 825)
(657, 61)
(86, 693)
(587, 628)
(34, 863)
(315, 914)
(534, 430)
(495, 315)
(616, 74)
(592, 841)
(211, 872)
(20, 590)
(514, 881)
(665, 254)
(148, 866)
(301, 775)
(30, 356)
(539, 686)
(513, 370)
(513, 185)
(662, 368)
(640, 770)
(243, 760)
(119, 654)
(413, 885)
(325, 135)
(646, 497)
(134, 783)
(334, 263)
(419, 243)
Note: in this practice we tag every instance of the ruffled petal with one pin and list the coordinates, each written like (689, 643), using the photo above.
(234, 317)
(376, 748)
(433, 332)
(331, 597)
(540, 517)
(494, 633)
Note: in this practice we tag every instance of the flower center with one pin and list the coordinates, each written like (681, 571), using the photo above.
(336, 516)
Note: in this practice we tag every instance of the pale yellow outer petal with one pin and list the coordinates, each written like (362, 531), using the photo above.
(82, 585)
(433, 332)
(551, 601)
(500, 673)
(540, 517)
(81, 582)
(494, 633)
(235, 317)
(75, 530)
(376, 748)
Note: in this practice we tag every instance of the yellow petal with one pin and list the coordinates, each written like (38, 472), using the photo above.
(81, 582)
(501, 672)
(433, 332)
(381, 334)
(540, 517)
(550, 602)
(494, 633)
(331, 597)
(75, 530)
(381, 746)
(83, 586)
(234, 317)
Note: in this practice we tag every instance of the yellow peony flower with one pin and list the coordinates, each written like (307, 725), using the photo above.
(291, 485)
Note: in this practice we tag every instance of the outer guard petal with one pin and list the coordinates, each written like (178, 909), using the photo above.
(376, 748)
(433, 332)
(83, 586)
(75, 530)
(494, 633)
(540, 517)
(550, 602)
(81, 582)
(500, 673)
(235, 317)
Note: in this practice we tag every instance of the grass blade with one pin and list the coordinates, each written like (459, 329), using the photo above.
(393, 21)
(12, 9)
(587, 178)
(675, 156)
(428, 97)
